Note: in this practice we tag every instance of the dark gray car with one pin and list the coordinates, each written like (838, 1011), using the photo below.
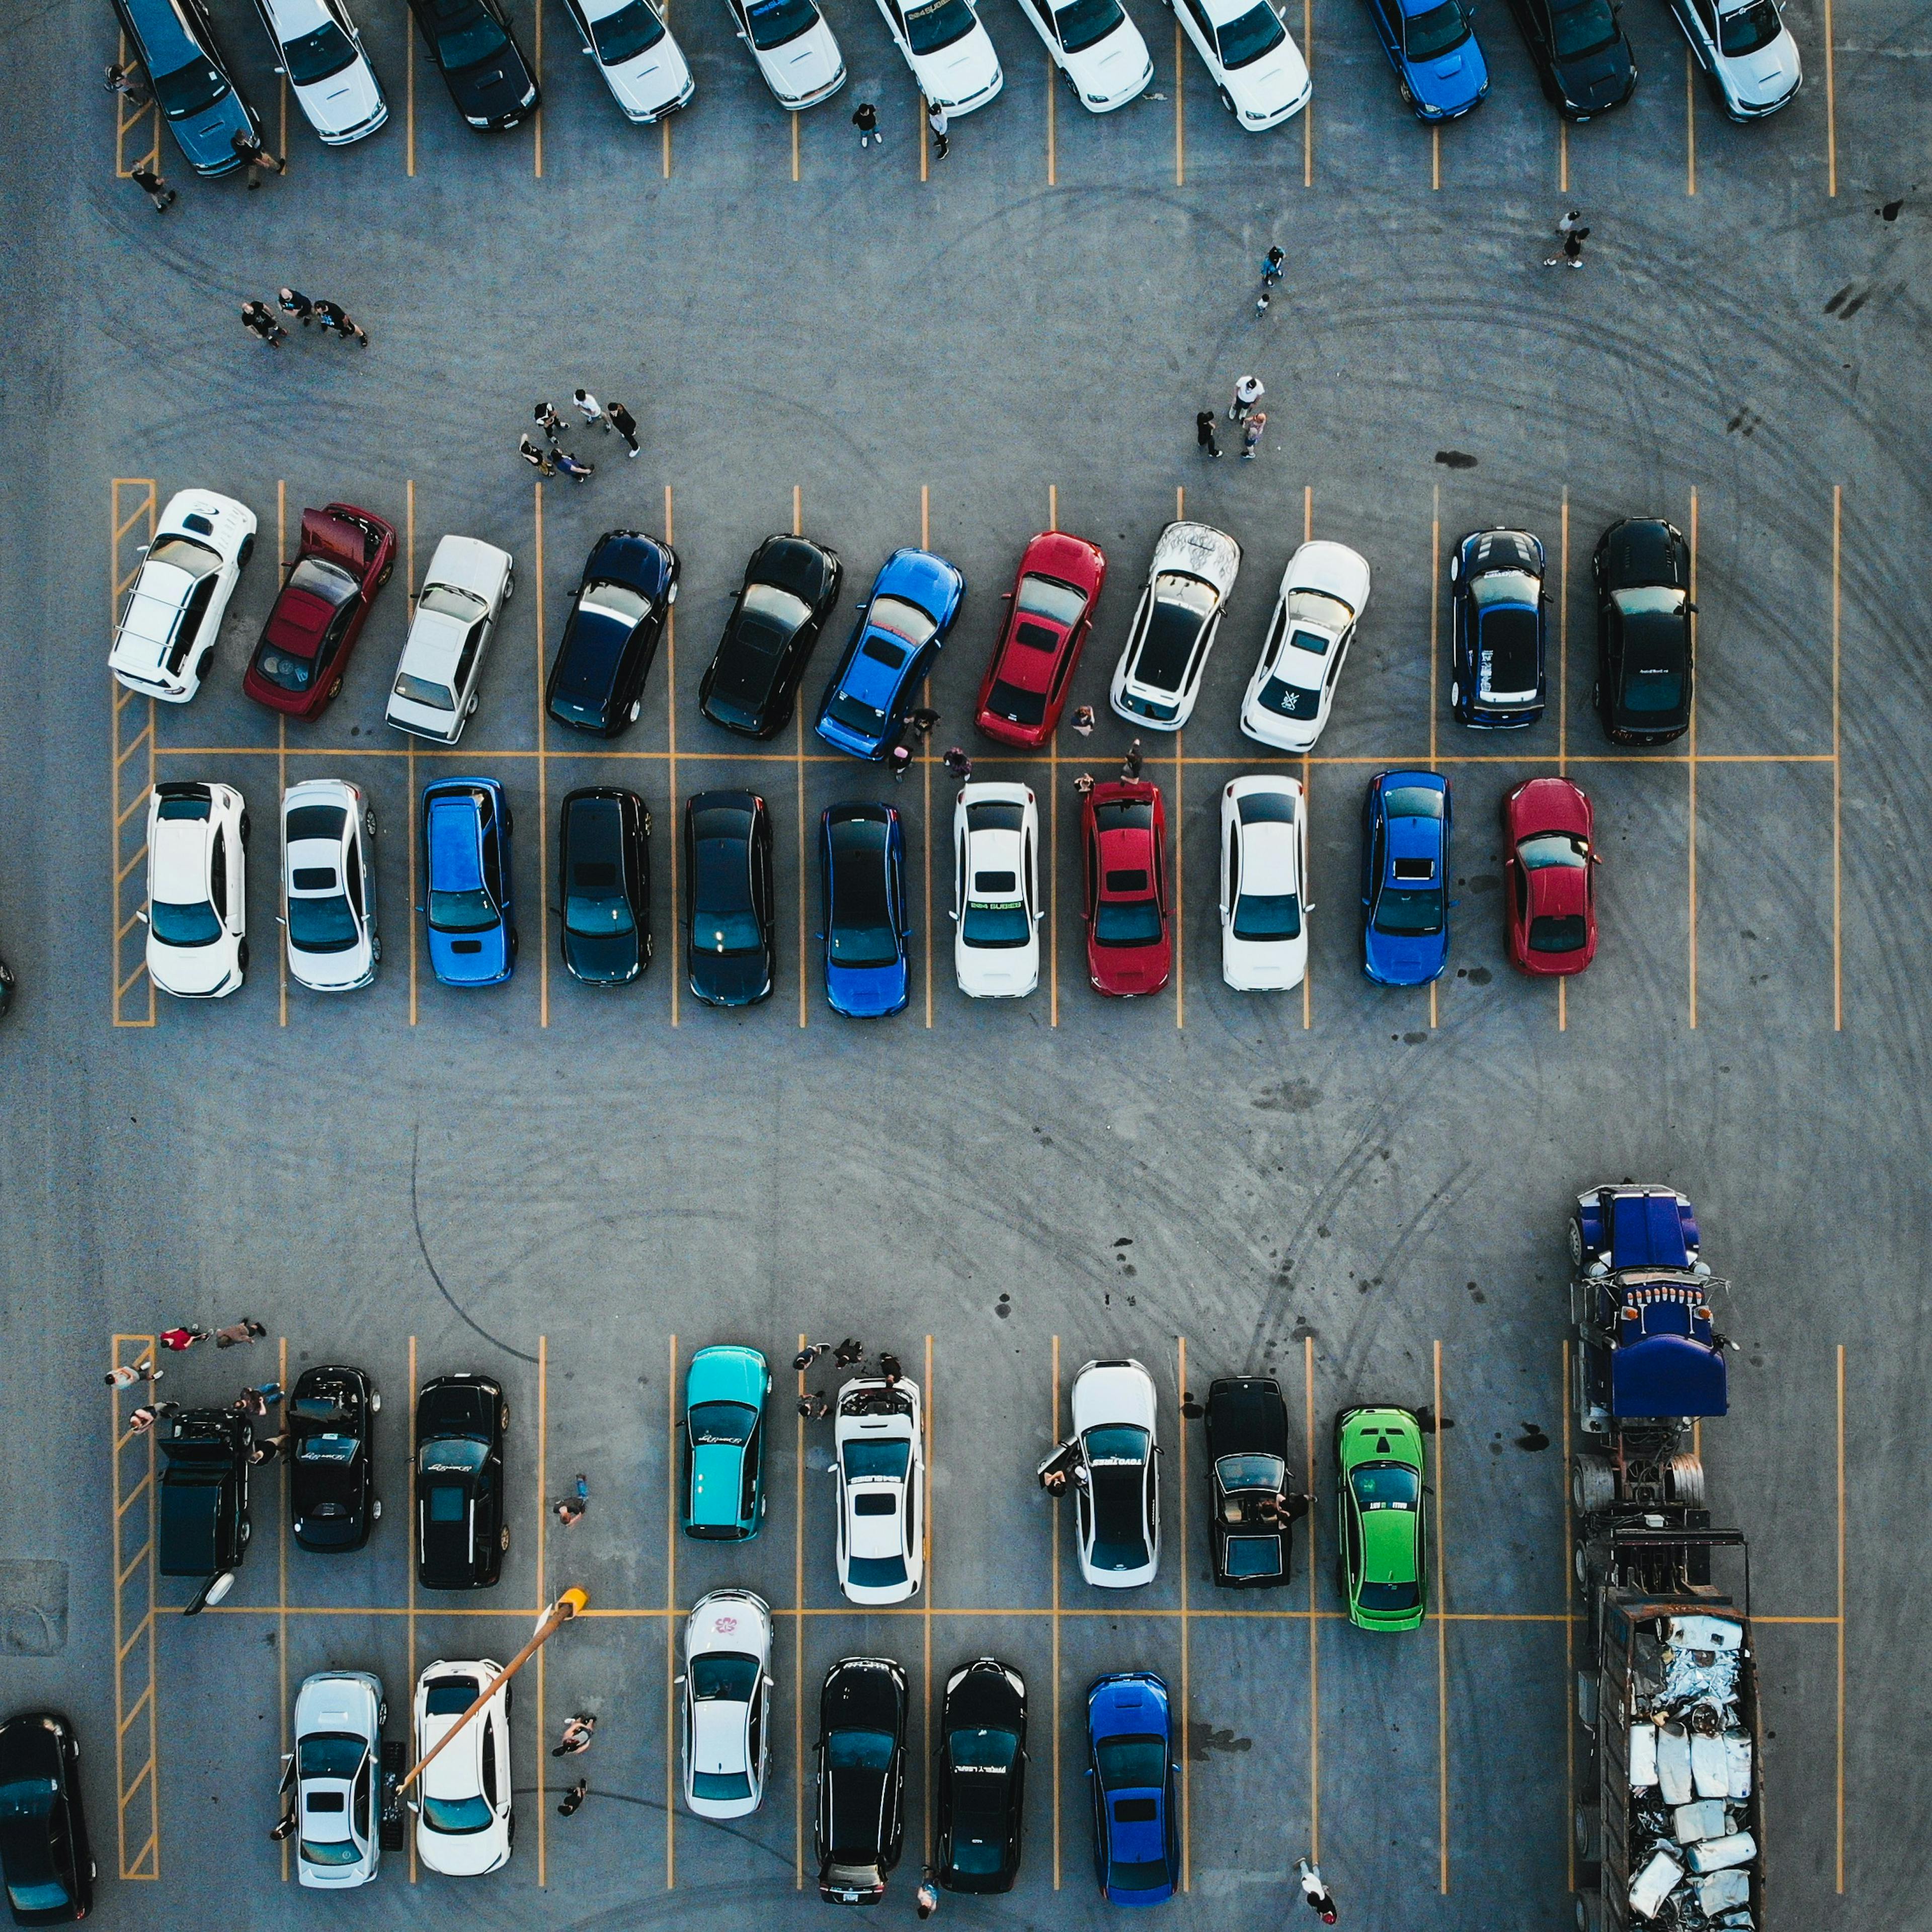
(192, 86)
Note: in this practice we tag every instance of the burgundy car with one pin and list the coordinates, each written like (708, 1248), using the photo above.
(1552, 902)
(345, 557)
(1053, 599)
(1124, 847)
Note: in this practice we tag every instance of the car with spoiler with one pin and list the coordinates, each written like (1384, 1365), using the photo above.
(902, 627)
(332, 1495)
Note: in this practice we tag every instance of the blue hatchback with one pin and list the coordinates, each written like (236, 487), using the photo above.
(1405, 898)
(862, 861)
(900, 628)
(1432, 48)
(1130, 1746)
(472, 936)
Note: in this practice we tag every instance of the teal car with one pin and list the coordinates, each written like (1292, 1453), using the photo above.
(724, 1393)
(1382, 1558)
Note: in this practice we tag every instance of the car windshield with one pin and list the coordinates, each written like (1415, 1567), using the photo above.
(1582, 29)
(724, 1678)
(937, 24)
(1442, 30)
(331, 1851)
(987, 1750)
(594, 905)
(1045, 596)
(894, 614)
(623, 35)
(1079, 26)
(1389, 1596)
(1181, 607)
(1412, 801)
(327, 1448)
(1258, 32)
(1017, 707)
(326, 925)
(773, 23)
(184, 554)
(1391, 1485)
(1132, 1764)
(448, 601)
(329, 1754)
(315, 55)
(1126, 922)
(1544, 849)
(27, 1798)
(877, 1458)
(421, 691)
(176, 925)
(1743, 31)
(456, 1817)
(189, 90)
(1410, 910)
(1268, 916)
(712, 1423)
(997, 923)
(472, 910)
(464, 33)
(859, 1751)
(1251, 1472)
(1552, 932)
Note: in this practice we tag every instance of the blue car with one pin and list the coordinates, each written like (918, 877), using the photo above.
(472, 935)
(901, 627)
(1130, 1745)
(1405, 898)
(1432, 48)
(862, 861)
(1497, 635)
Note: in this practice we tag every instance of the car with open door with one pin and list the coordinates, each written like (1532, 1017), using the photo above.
(203, 1527)
(335, 1776)
(1250, 1510)
(342, 557)
(880, 1467)
(1116, 1476)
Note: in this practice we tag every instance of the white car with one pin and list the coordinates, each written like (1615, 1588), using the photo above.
(952, 59)
(197, 910)
(795, 49)
(1117, 1478)
(1264, 884)
(881, 1459)
(996, 907)
(329, 885)
(468, 583)
(164, 636)
(1323, 592)
(462, 1802)
(336, 1769)
(1188, 583)
(642, 66)
(1747, 50)
(1097, 48)
(728, 1687)
(317, 47)
(1257, 69)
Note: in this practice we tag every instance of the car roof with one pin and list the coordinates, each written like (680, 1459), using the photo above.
(178, 862)
(727, 1373)
(455, 843)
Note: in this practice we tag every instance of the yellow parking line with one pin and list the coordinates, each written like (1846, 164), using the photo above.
(1308, 112)
(1052, 177)
(794, 146)
(281, 790)
(1689, 125)
(1690, 773)
(1441, 1646)
(410, 150)
(1837, 816)
(1053, 837)
(543, 1596)
(798, 1659)
(1187, 1700)
(1314, 1621)
(798, 748)
(925, 698)
(1831, 189)
(671, 1628)
(1562, 156)
(410, 1603)
(1179, 115)
(1435, 155)
(1180, 897)
(1307, 788)
(133, 1348)
(924, 139)
(543, 779)
(140, 1703)
(925, 1800)
(1053, 1522)
(670, 712)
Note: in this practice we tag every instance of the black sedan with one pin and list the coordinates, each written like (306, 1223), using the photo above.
(1582, 57)
(981, 1777)
(481, 64)
(43, 1853)
(860, 1826)
(204, 1512)
(461, 1532)
(331, 1460)
(1644, 632)
(1248, 1505)
(727, 858)
(604, 859)
(790, 589)
(611, 636)
(174, 41)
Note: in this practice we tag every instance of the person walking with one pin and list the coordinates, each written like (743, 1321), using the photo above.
(129, 1373)
(1248, 391)
(577, 1733)
(935, 119)
(141, 1420)
(123, 81)
(865, 118)
(182, 1340)
(154, 188)
(1261, 305)
(1272, 263)
(1083, 784)
(248, 1329)
(809, 1353)
(898, 760)
(574, 467)
(1570, 255)
(255, 157)
(1083, 721)
(1315, 1890)
(292, 301)
(333, 315)
(1251, 434)
(259, 319)
(1569, 223)
(1204, 432)
(594, 417)
(848, 1352)
(535, 455)
(574, 1798)
(625, 425)
(926, 1899)
(1130, 765)
(959, 763)
(921, 718)
(547, 419)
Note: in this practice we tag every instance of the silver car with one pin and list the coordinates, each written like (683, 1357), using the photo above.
(1746, 51)
(794, 48)
(336, 1773)
(328, 886)
(462, 595)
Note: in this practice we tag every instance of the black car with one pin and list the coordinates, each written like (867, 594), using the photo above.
(791, 588)
(604, 858)
(204, 1513)
(471, 43)
(727, 859)
(981, 1777)
(1499, 677)
(461, 1532)
(174, 41)
(611, 636)
(331, 1459)
(1644, 671)
(1582, 57)
(861, 1821)
(1248, 1505)
(44, 1854)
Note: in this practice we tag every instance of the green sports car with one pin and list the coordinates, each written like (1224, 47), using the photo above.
(1382, 1561)
(724, 1392)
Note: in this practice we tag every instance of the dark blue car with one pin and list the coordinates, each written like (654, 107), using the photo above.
(472, 936)
(1432, 48)
(1405, 898)
(862, 861)
(1497, 632)
(174, 40)
(1130, 1746)
(900, 628)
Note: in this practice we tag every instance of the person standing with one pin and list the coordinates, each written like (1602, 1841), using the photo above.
(921, 718)
(259, 320)
(935, 119)
(1251, 434)
(1272, 263)
(959, 763)
(250, 153)
(122, 80)
(333, 315)
(865, 118)
(1083, 720)
(1569, 223)
(577, 1733)
(594, 417)
(183, 1338)
(925, 1900)
(625, 425)
(899, 760)
(1083, 784)
(1204, 432)
(128, 1374)
(1315, 1890)
(1248, 391)
(292, 301)
(154, 188)
(1130, 765)
(536, 456)
(547, 420)
(1261, 304)
(574, 1798)
(574, 467)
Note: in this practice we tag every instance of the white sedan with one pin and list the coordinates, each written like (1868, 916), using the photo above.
(336, 1770)
(1747, 50)
(996, 907)
(728, 1687)
(197, 910)
(462, 595)
(952, 59)
(643, 66)
(881, 1460)
(795, 50)
(1323, 592)
(317, 47)
(1158, 677)
(329, 885)
(462, 1802)
(164, 635)
(1264, 871)
(1258, 71)
(1117, 1479)
(1097, 48)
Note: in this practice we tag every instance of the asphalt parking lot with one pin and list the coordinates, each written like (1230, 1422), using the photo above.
(1360, 1191)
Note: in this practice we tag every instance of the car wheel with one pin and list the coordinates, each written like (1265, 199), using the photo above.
(242, 956)
(503, 1538)
(375, 1510)
(1408, 98)
(1455, 694)
(509, 586)
(244, 828)
(671, 595)
(201, 669)
(513, 942)
(503, 1416)
(637, 709)
(510, 1829)
(247, 1531)
(469, 710)
(376, 1400)
(388, 570)
(335, 689)
(247, 551)
(375, 951)
(1576, 1242)
(369, 824)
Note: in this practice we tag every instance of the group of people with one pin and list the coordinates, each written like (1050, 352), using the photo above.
(849, 1354)
(549, 458)
(127, 81)
(865, 118)
(254, 1400)
(1245, 409)
(263, 323)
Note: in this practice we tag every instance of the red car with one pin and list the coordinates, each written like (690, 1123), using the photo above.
(1053, 599)
(345, 557)
(1123, 843)
(1552, 900)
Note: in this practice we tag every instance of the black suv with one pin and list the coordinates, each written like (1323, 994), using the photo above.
(193, 88)
(461, 1532)
(861, 1823)
(479, 60)
(204, 1511)
(331, 1463)
(1642, 568)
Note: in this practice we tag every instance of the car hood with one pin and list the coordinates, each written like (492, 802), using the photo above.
(1770, 74)
(1598, 80)
(656, 80)
(208, 138)
(1407, 959)
(344, 100)
(1271, 83)
(866, 992)
(604, 959)
(808, 64)
(727, 1375)
(729, 979)
(1332, 569)
(961, 72)
(1113, 1393)
(1200, 550)
(1457, 78)
(469, 564)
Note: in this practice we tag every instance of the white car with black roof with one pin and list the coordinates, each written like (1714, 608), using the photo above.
(1158, 678)
(165, 631)
(996, 908)
(1097, 48)
(464, 1828)
(1323, 592)
(881, 1461)
(197, 910)
(727, 1684)
(462, 595)
(1264, 907)
(318, 51)
(329, 885)
(1117, 1475)
(336, 1772)
(640, 61)
(795, 48)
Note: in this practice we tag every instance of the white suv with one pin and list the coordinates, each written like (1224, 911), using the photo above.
(329, 885)
(462, 595)
(164, 636)
(197, 910)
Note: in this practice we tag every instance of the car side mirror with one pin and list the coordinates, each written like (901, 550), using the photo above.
(143, 915)
(954, 916)
(678, 1678)
(818, 935)
(279, 69)
(1691, 607)
(288, 1772)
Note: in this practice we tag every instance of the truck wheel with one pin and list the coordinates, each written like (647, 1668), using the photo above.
(1683, 1481)
(1593, 1484)
(1586, 1829)
(1589, 1913)
(1575, 1241)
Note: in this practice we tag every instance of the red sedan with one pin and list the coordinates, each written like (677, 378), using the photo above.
(1551, 902)
(345, 557)
(1123, 843)
(1053, 599)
